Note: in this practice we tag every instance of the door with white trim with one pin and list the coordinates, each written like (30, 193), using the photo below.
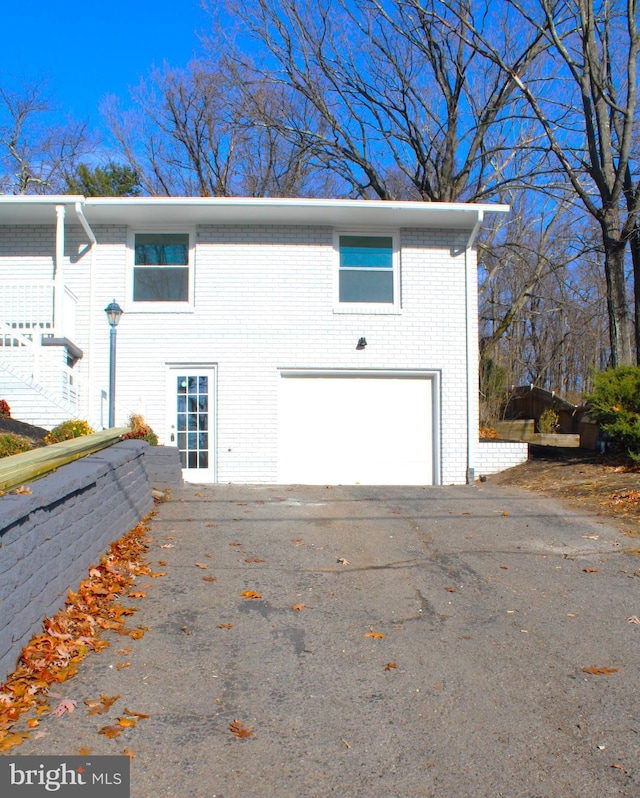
(191, 405)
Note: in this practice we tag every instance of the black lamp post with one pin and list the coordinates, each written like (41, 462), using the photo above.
(114, 312)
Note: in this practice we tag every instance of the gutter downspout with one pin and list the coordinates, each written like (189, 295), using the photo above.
(471, 319)
(58, 275)
(92, 412)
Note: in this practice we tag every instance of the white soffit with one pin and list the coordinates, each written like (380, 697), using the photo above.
(140, 211)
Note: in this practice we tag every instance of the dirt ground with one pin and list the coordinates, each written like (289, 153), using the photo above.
(601, 484)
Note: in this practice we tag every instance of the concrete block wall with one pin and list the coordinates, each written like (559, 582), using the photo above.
(50, 537)
(497, 455)
(163, 467)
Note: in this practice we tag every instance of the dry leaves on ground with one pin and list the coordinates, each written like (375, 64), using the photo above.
(53, 656)
(240, 730)
(597, 671)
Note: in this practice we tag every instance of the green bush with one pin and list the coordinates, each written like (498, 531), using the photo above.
(614, 403)
(139, 429)
(549, 422)
(14, 444)
(74, 428)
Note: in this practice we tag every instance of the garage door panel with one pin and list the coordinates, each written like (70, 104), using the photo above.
(350, 430)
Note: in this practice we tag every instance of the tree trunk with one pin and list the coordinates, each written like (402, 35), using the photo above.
(617, 303)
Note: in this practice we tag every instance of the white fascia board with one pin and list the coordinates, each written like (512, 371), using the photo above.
(136, 211)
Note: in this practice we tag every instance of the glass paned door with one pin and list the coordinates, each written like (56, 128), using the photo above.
(191, 417)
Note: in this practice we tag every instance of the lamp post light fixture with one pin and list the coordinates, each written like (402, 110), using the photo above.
(114, 312)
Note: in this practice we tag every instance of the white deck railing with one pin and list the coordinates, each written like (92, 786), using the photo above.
(44, 370)
(29, 305)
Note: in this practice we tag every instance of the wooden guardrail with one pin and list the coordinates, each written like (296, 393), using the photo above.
(20, 469)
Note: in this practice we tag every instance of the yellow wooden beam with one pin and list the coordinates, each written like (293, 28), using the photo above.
(20, 469)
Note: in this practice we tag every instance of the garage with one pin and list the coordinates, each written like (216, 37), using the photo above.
(357, 428)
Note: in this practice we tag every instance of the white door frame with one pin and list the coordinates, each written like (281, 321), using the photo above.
(429, 374)
(210, 370)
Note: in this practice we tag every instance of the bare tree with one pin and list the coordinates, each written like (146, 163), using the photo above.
(585, 103)
(400, 108)
(192, 132)
(36, 155)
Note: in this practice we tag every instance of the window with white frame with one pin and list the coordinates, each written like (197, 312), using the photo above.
(368, 270)
(162, 270)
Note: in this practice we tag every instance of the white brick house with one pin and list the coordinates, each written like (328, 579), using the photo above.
(244, 328)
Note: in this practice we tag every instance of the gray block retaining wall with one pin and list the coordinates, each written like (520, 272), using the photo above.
(51, 536)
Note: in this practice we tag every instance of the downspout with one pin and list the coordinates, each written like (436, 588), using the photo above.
(471, 320)
(92, 411)
(58, 275)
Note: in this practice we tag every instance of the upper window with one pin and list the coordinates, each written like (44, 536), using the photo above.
(367, 270)
(162, 268)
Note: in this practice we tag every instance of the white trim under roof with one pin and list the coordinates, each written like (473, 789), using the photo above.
(136, 211)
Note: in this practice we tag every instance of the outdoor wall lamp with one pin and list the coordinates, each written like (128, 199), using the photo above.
(362, 342)
(114, 312)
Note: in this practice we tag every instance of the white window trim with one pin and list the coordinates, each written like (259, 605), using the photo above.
(376, 308)
(160, 307)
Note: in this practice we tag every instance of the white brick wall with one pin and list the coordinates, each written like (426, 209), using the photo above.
(263, 302)
(496, 455)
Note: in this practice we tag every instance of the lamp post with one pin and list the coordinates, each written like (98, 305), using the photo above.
(114, 312)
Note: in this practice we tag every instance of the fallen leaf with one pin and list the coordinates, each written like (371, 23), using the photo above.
(159, 573)
(254, 559)
(235, 543)
(167, 546)
(127, 722)
(374, 634)
(110, 731)
(136, 594)
(342, 561)
(590, 570)
(225, 626)
(140, 715)
(122, 665)
(68, 705)
(634, 619)
(505, 512)
(32, 723)
(240, 730)
(128, 752)
(504, 567)
(84, 751)
(390, 666)
(342, 740)
(298, 607)
(250, 594)
(162, 562)
(11, 740)
(202, 565)
(21, 490)
(210, 578)
(595, 671)
(451, 590)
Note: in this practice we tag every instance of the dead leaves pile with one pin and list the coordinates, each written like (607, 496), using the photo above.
(53, 656)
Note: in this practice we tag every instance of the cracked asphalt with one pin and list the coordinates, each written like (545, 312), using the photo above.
(442, 658)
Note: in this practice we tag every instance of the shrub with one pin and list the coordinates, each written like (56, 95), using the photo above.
(5, 410)
(141, 430)
(549, 421)
(74, 428)
(14, 444)
(614, 403)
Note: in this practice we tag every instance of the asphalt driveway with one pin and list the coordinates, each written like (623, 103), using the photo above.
(407, 642)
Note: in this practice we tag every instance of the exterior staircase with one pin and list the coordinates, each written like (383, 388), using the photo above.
(37, 381)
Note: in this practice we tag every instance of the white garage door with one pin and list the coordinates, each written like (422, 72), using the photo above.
(372, 430)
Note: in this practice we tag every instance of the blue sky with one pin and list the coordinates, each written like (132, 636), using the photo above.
(88, 49)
